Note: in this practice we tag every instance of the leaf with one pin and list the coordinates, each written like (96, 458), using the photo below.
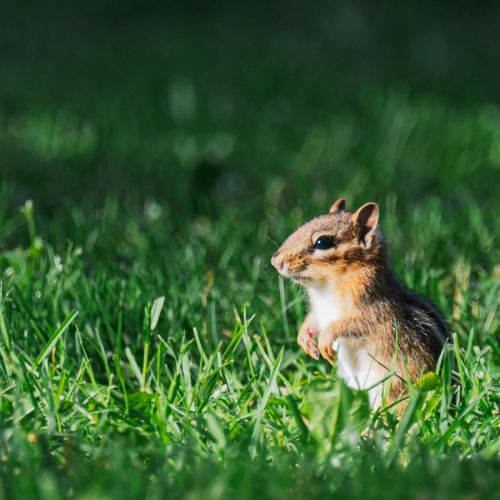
(428, 382)
(141, 401)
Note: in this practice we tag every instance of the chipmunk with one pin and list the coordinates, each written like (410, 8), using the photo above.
(360, 312)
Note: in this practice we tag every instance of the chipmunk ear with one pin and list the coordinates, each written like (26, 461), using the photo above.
(338, 206)
(366, 220)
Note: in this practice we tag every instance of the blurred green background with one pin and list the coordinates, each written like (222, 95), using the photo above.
(184, 102)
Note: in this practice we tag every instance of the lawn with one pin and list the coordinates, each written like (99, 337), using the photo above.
(152, 160)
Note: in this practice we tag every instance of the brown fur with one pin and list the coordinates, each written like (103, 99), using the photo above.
(405, 329)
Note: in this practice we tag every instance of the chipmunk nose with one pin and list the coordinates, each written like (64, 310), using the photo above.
(277, 262)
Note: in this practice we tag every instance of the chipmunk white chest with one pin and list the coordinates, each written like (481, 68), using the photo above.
(327, 305)
(356, 361)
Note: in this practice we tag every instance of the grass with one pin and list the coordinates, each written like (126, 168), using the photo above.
(148, 349)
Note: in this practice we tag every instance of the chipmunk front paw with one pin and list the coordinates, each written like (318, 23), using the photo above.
(307, 340)
(325, 344)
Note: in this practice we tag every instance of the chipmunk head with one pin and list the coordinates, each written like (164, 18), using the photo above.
(331, 246)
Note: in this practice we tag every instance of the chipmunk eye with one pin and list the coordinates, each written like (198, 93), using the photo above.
(325, 242)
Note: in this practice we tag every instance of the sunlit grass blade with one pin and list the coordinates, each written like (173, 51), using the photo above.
(406, 420)
(267, 392)
(56, 335)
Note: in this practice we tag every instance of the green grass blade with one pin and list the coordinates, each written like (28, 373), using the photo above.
(56, 335)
